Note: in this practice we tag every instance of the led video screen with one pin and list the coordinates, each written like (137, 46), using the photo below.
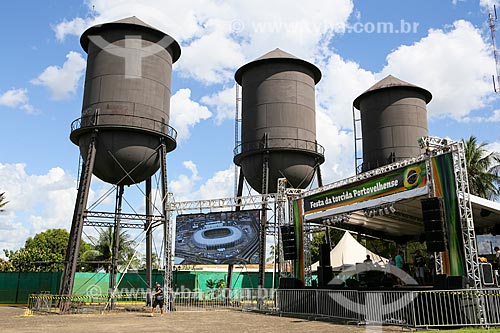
(218, 238)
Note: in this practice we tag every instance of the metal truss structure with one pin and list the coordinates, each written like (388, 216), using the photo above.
(307, 254)
(98, 219)
(253, 201)
(438, 146)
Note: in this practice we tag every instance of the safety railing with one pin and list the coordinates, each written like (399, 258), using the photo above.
(217, 299)
(280, 143)
(123, 121)
(432, 308)
(457, 308)
(242, 299)
(416, 309)
(45, 303)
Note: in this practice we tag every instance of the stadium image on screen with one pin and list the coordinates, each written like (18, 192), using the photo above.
(218, 238)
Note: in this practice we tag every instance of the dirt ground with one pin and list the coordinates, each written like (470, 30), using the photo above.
(13, 319)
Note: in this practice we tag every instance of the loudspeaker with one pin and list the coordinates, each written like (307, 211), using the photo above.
(440, 282)
(432, 215)
(290, 283)
(484, 212)
(289, 243)
(457, 282)
(495, 230)
(324, 255)
(487, 274)
(325, 275)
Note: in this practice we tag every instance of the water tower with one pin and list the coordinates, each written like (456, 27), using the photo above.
(393, 118)
(278, 128)
(278, 121)
(123, 133)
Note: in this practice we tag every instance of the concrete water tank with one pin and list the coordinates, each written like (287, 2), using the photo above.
(126, 98)
(393, 118)
(278, 120)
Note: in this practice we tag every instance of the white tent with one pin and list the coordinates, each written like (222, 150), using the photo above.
(349, 252)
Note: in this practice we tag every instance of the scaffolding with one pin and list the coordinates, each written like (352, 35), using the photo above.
(437, 146)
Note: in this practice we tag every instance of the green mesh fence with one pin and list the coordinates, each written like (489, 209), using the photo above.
(16, 287)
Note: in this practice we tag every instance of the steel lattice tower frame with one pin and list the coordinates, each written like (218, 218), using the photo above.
(438, 146)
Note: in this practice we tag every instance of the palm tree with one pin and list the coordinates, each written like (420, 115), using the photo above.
(2, 202)
(483, 169)
(103, 247)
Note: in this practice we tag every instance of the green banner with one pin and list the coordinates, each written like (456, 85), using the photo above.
(444, 185)
(299, 268)
(405, 179)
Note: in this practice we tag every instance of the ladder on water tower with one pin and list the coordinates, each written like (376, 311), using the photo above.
(358, 143)
(237, 129)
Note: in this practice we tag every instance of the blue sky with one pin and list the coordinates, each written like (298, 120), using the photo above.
(447, 51)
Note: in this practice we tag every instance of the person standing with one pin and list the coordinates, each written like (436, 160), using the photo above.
(399, 265)
(419, 263)
(432, 267)
(399, 260)
(158, 299)
(497, 258)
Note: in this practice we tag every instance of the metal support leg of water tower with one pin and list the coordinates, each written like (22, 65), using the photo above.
(167, 234)
(263, 223)
(149, 241)
(68, 276)
(116, 244)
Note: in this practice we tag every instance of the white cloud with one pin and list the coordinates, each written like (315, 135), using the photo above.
(220, 185)
(73, 27)
(188, 187)
(17, 99)
(336, 141)
(494, 147)
(488, 4)
(342, 82)
(494, 117)
(62, 81)
(454, 64)
(26, 191)
(36, 202)
(184, 184)
(213, 57)
(185, 113)
(224, 103)
(13, 234)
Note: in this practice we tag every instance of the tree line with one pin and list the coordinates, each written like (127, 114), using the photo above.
(46, 251)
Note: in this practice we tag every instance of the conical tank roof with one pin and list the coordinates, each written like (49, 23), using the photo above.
(391, 82)
(278, 55)
(127, 23)
(133, 20)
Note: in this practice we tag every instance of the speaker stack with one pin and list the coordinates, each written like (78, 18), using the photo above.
(325, 272)
(433, 217)
(289, 242)
(487, 274)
